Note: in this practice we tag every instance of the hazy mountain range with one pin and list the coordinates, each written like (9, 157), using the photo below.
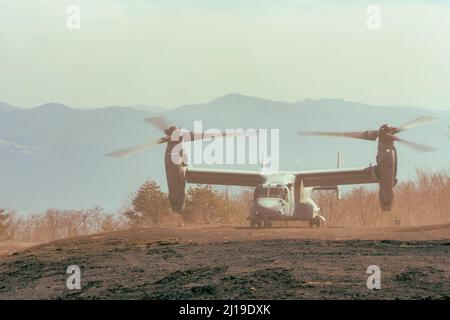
(54, 155)
(4, 107)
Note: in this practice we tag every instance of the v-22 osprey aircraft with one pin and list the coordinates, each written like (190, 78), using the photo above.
(282, 195)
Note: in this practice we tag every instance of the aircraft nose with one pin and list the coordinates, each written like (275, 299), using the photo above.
(273, 205)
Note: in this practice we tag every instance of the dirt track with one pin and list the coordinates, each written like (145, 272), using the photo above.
(236, 262)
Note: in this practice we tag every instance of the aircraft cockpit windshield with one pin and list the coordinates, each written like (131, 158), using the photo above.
(272, 192)
(277, 193)
(261, 192)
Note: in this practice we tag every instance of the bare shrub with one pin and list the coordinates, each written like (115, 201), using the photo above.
(4, 223)
(419, 201)
(58, 224)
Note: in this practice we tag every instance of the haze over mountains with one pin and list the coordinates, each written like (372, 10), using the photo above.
(54, 155)
(6, 107)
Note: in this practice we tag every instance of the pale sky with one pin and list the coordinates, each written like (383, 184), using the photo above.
(174, 52)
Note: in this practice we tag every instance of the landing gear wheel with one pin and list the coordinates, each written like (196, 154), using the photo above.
(255, 222)
(267, 224)
(317, 222)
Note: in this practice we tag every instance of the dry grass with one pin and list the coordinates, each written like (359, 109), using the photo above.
(424, 200)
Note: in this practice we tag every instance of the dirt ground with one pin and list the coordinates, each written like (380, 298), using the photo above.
(7, 247)
(235, 263)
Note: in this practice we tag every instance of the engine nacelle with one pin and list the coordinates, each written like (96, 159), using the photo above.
(175, 164)
(387, 171)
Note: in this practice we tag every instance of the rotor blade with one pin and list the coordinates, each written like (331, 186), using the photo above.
(420, 121)
(158, 122)
(416, 146)
(219, 134)
(365, 135)
(135, 149)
